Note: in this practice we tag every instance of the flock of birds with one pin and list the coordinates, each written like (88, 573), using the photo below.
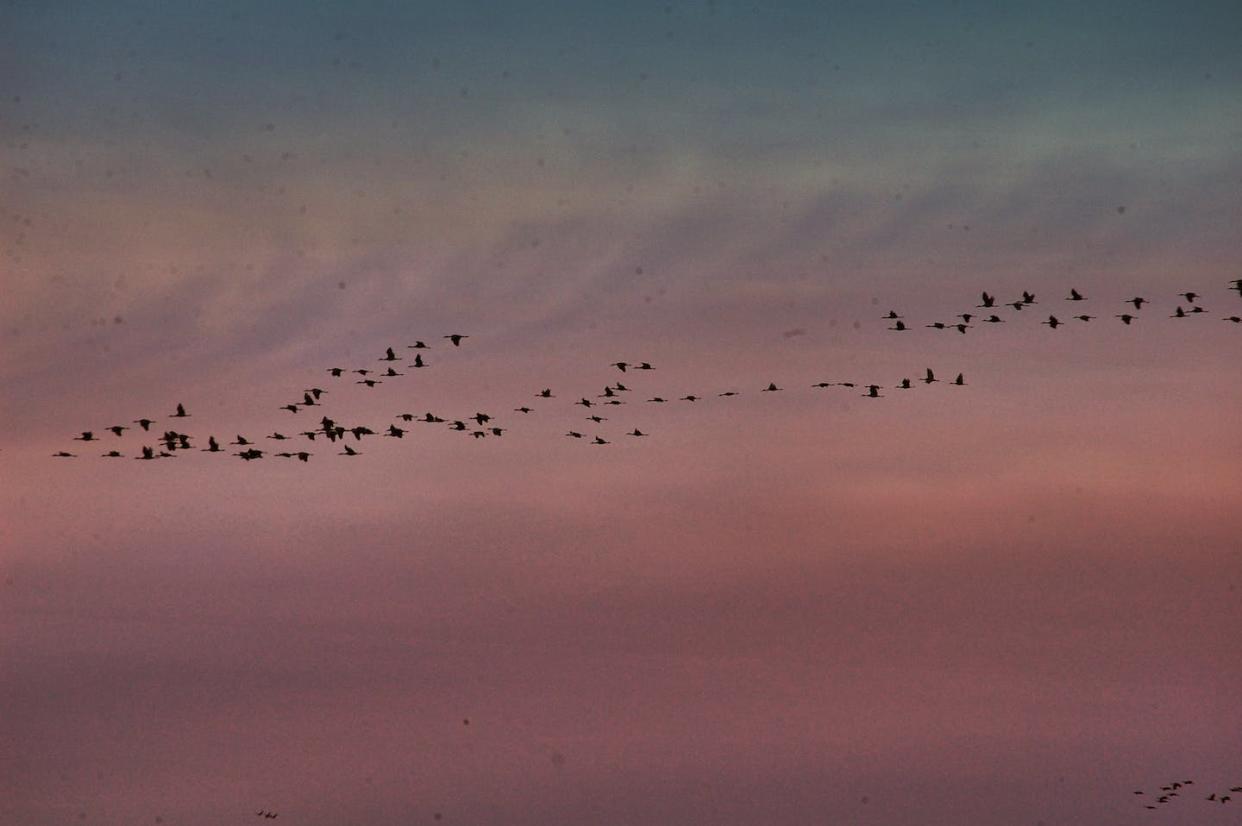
(1181, 789)
(480, 425)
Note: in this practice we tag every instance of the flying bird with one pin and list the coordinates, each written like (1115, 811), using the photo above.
(1074, 295)
(989, 301)
(456, 338)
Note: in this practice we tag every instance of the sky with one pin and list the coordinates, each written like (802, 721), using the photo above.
(1014, 601)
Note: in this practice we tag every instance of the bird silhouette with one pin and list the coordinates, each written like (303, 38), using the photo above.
(64, 454)
(292, 408)
(900, 327)
(873, 391)
(456, 338)
(336, 371)
(636, 432)
(118, 429)
(180, 412)
(621, 365)
(989, 301)
(892, 314)
(1235, 319)
(145, 424)
(389, 355)
(960, 381)
(1074, 295)
(545, 393)
(771, 388)
(87, 436)
(994, 319)
(418, 361)
(1189, 296)
(1126, 318)
(1138, 301)
(1052, 322)
(418, 345)
(1178, 313)
(212, 445)
(930, 377)
(1084, 317)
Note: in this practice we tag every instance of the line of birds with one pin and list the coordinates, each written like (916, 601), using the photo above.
(1177, 787)
(1028, 299)
(173, 441)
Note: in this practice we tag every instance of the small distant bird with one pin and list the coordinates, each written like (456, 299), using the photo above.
(1052, 322)
(336, 371)
(822, 384)
(960, 381)
(1126, 318)
(585, 402)
(657, 400)
(726, 394)
(180, 414)
(621, 365)
(966, 317)
(87, 436)
(1235, 319)
(636, 432)
(873, 391)
(599, 440)
(316, 392)
(646, 365)
(1028, 298)
(391, 373)
(1074, 295)
(1178, 313)
(1017, 305)
(389, 355)
(1138, 301)
(362, 371)
(456, 338)
(1084, 317)
(112, 454)
(905, 385)
(690, 398)
(395, 431)
(280, 437)
(418, 361)
(596, 419)
(892, 314)
(989, 301)
(349, 451)
(573, 434)
(212, 445)
(1189, 296)
(545, 393)
(64, 454)
(369, 382)
(497, 431)
(994, 319)
(292, 408)
(144, 423)
(118, 429)
(521, 410)
(418, 345)
(900, 327)
(937, 325)
(961, 328)
(771, 388)
(930, 377)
